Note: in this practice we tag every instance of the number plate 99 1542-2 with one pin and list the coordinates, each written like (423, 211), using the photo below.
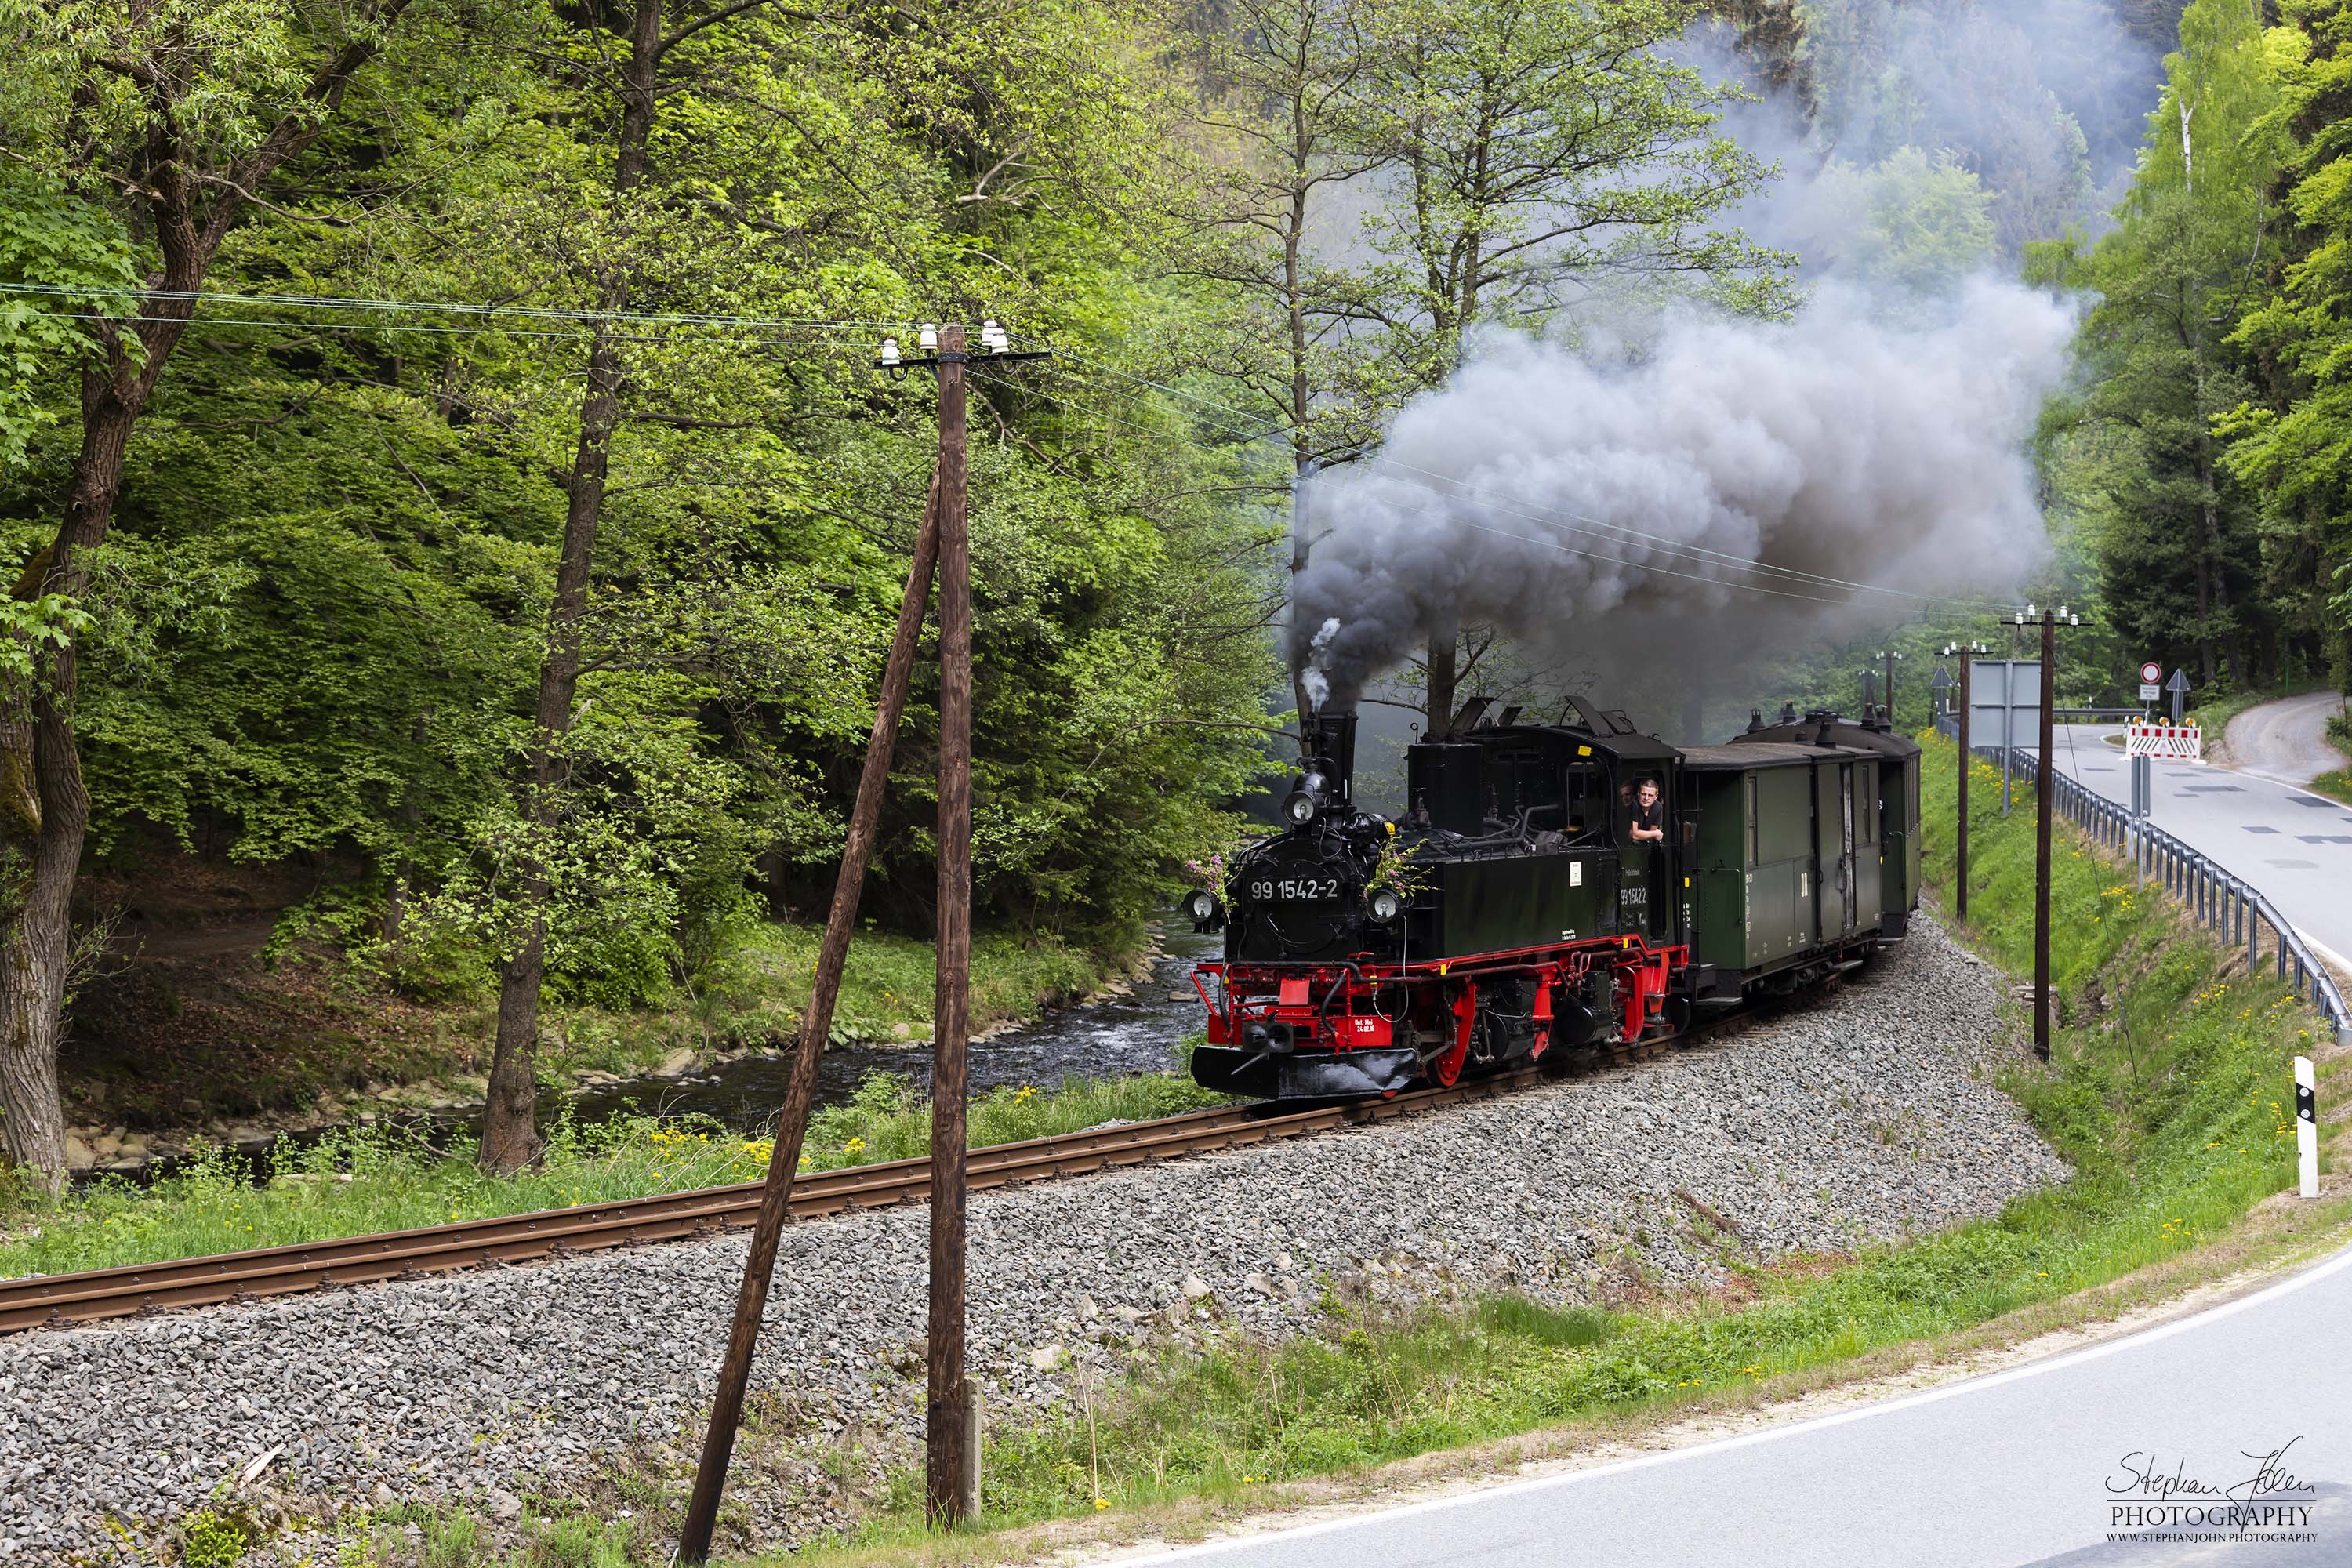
(1292, 889)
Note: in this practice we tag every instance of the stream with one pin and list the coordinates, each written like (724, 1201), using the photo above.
(1115, 1037)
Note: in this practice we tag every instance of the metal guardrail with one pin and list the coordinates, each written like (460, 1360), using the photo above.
(2222, 901)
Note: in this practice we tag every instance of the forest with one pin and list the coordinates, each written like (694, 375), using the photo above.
(454, 508)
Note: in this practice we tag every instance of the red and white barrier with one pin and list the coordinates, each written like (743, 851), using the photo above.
(2173, 742)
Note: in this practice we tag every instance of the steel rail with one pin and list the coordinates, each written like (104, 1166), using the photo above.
(64, 1299)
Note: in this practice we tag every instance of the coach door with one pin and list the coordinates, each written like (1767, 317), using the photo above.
(1847, 871)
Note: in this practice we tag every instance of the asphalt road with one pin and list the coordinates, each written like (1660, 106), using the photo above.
(2017, 1467)
(2296, 846)
(2286, 739)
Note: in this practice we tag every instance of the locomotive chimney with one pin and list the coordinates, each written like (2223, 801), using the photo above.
(1326, 745)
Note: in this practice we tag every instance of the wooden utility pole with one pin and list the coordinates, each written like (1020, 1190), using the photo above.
(816, 1024)
(1891, 657)
(1960, 880)
(944, 1447)
(2043, 792)
(945, 542)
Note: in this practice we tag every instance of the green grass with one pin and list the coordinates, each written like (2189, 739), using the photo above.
(2172, 1107)
(2338, 782)
(370, 1179)
(2167, 1092)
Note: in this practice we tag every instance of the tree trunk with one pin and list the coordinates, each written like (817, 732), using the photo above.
(44, 815)
(509, 1136)
(1302, 459)
(36, 947)
(1443, 639)
(41, 839)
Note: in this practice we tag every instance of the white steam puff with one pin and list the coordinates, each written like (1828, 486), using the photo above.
(1837, 444)
(1316, 684)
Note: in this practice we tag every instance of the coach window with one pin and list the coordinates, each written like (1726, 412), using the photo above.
(1751, 821)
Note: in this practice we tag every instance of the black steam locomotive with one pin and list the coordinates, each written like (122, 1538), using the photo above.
(1550, 889)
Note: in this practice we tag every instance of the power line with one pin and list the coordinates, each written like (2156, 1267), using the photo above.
(450, 307)
(752, 331)
(540, 333)
(1510, 505)
(1618, 561)
(1624, 530)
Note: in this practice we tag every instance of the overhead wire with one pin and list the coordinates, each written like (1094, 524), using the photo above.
(1515, 505)
(451, 307)
(752, 331)
(1482, 528)
(1569, 520)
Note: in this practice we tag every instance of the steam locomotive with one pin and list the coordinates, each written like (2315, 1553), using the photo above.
(1551, 888)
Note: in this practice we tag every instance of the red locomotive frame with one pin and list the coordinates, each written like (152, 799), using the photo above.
(1334, 1005)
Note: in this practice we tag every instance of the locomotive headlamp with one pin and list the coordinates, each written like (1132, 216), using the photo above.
(1386, 906)
(1201, 906)
(1298, 808)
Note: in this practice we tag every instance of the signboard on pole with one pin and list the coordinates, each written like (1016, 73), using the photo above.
(2004, 707)
(2149, 692)
(2151, 673)
(2004, 701)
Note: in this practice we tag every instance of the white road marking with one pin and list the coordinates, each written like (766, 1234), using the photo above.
(2336, 1265)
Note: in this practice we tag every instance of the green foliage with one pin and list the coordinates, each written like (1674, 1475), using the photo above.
(2203, 459)
(211, 1539)
(1916, 223)
(315, 629)
(1538, 143)
(2295, 445)
(1971, 83)
(2172, 1107)
(47, 241)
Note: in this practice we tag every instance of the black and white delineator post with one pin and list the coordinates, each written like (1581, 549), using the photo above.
(2307, 1126)
(2143, 799)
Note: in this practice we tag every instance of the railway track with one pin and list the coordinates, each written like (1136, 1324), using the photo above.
(59, 1300)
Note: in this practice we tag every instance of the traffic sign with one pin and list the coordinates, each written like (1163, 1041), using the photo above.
(2149, 692)
(2151, 673)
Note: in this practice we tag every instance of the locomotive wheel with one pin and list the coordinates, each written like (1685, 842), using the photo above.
(1445, 1068)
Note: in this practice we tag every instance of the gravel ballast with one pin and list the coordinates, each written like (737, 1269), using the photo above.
(1864, 1117)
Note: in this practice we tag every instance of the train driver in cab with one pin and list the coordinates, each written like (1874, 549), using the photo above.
(1649, 814)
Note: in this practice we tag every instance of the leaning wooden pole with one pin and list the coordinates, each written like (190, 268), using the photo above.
(944, 1443)
(816, 1024)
